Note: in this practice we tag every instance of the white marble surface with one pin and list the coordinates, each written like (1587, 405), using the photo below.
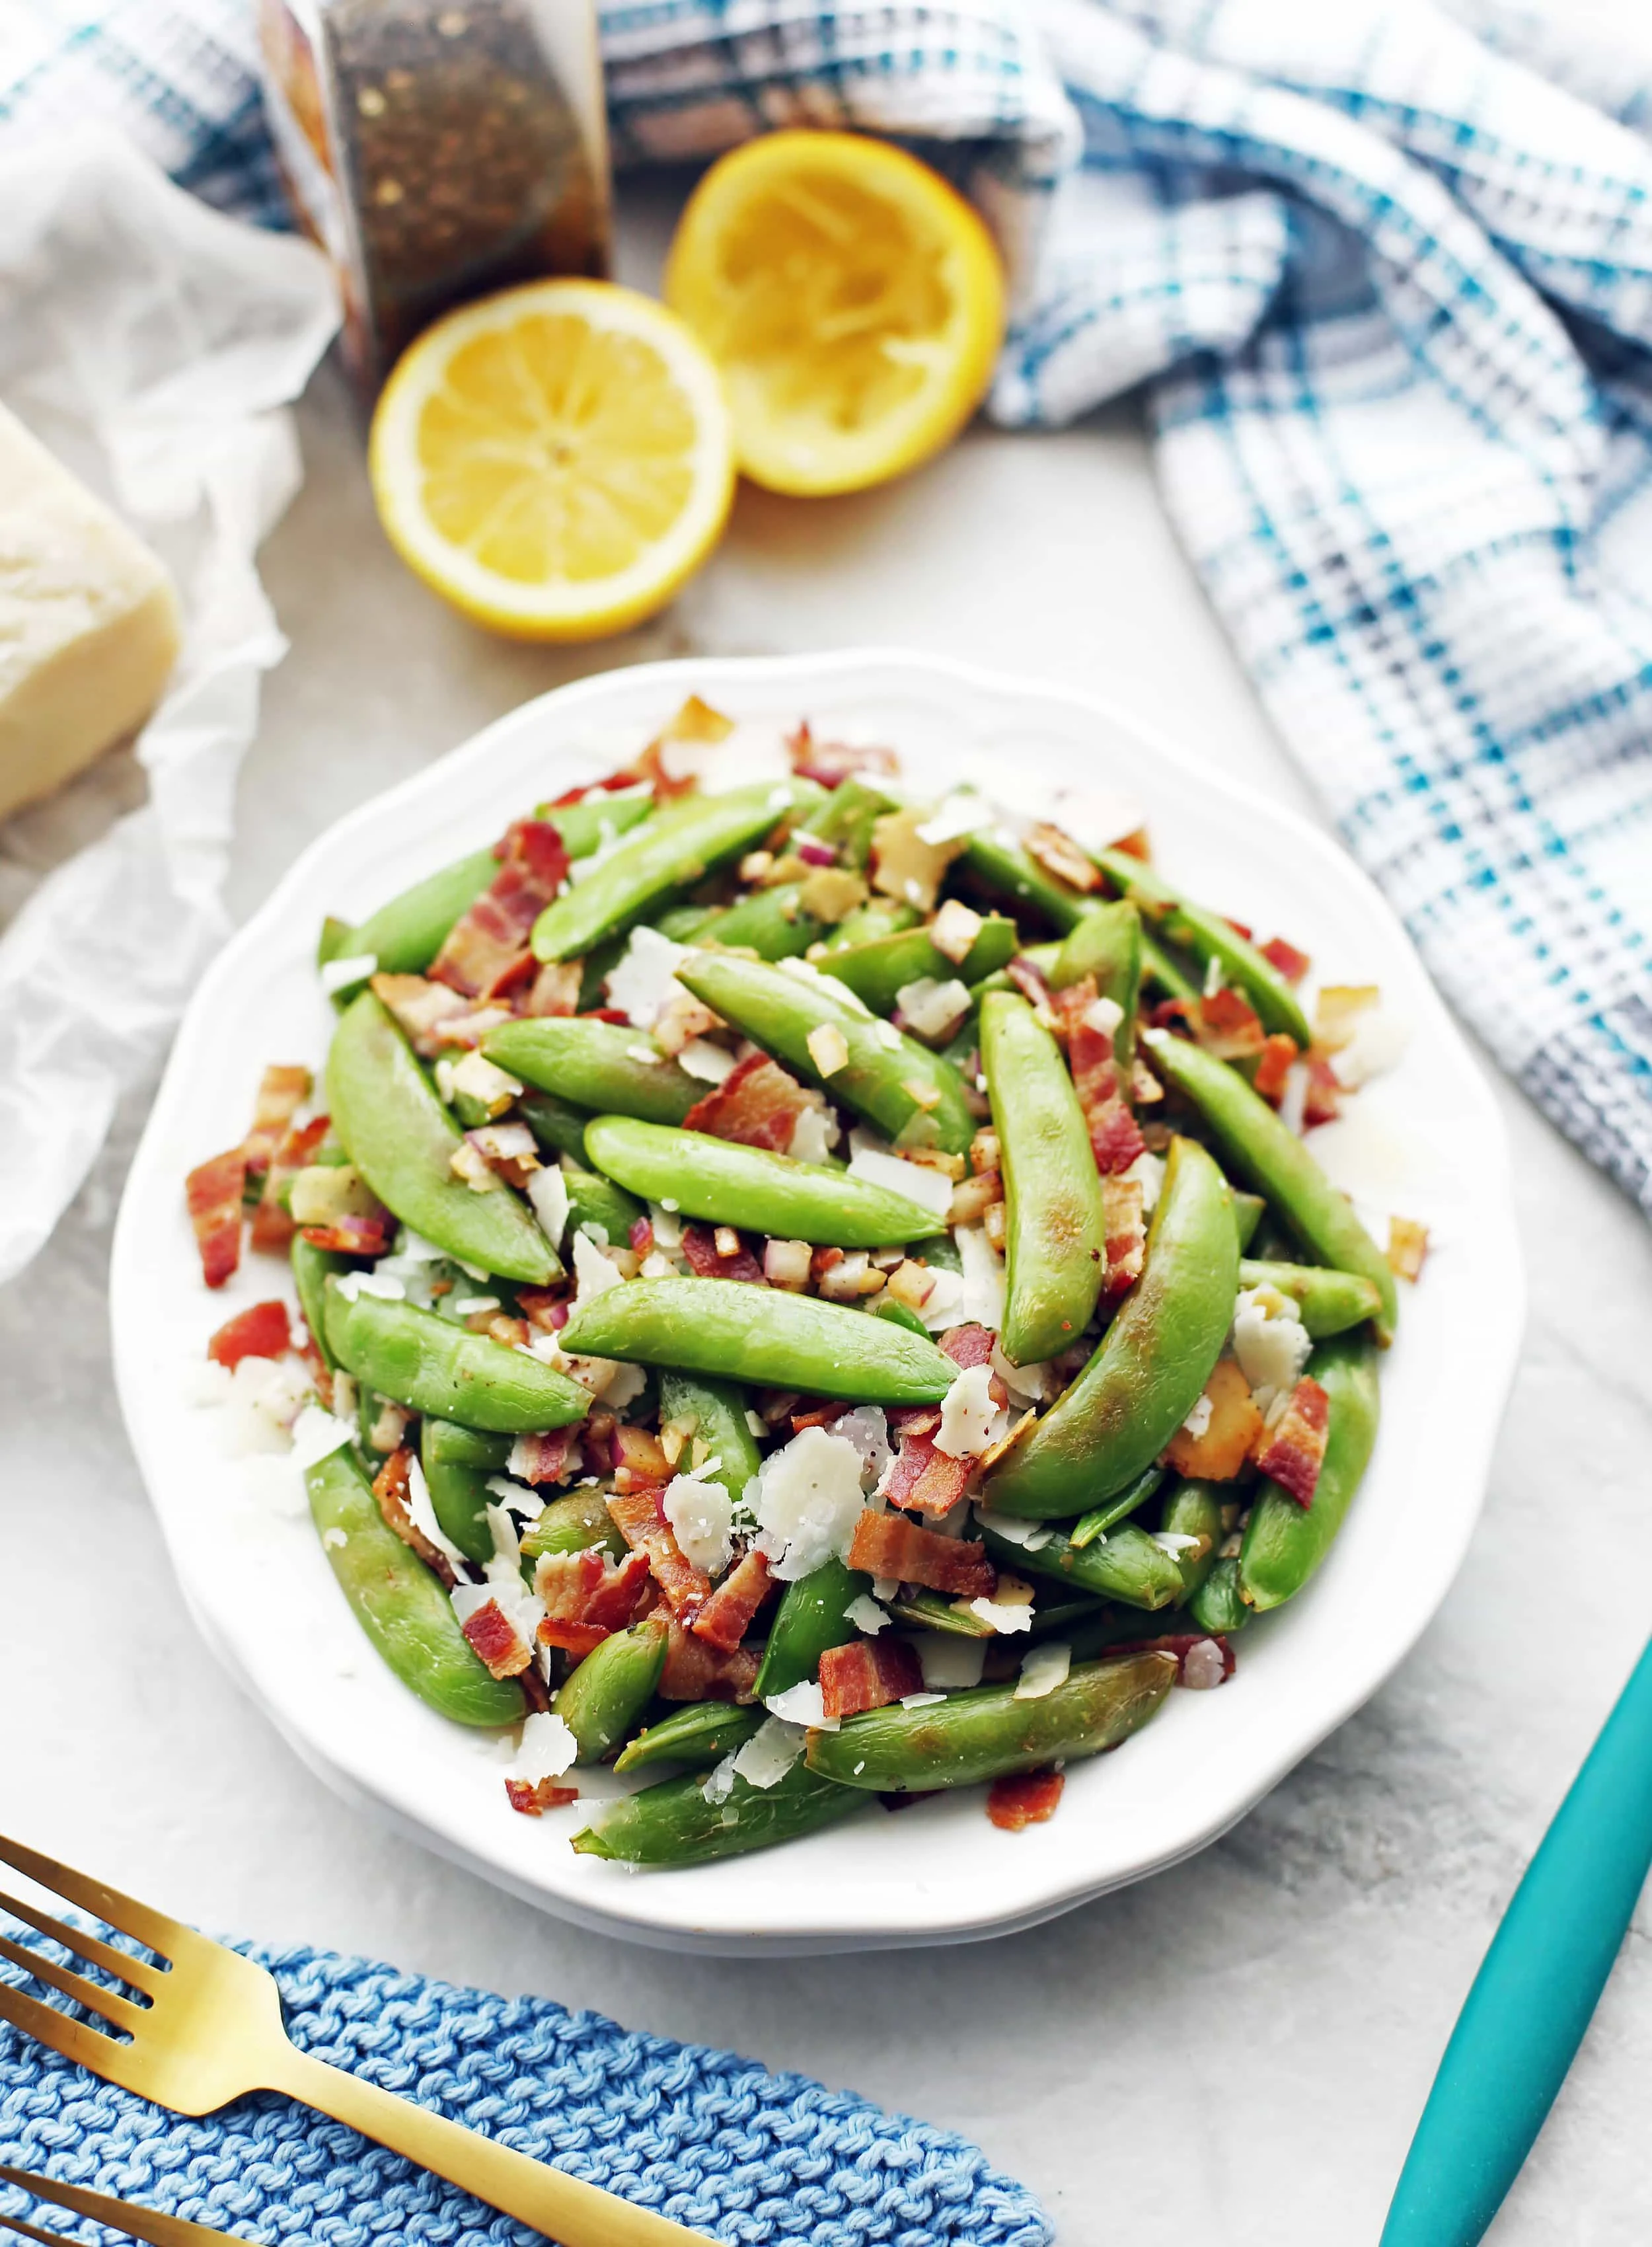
(1243, 2043)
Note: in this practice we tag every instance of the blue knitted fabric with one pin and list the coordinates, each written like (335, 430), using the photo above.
(714, 2142)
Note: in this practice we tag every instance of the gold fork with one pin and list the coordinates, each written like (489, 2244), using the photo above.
(206, 2028)
(118, 2215)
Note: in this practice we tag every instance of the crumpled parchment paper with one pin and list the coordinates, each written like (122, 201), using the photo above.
(154, 346)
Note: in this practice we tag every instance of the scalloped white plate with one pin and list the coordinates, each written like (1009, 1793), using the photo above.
(1425, 1140)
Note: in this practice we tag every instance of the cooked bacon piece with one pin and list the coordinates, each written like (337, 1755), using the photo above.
(263, 1331)
(1292, 1451)
(1230, 1428)
(272, 1225)
(546, 1309)
(1291, 964)
(213, 1190)
(868, 1673)
(422, 1008)
(924, 1480)
(917, 1419)
(641, 1519)
(757, 1104)
(1213, 1668)
(1058, 854)
(1126, 1225)
(486, 952)
(1408, 1244)
(968, 1345)
(1273, 1065)
(1229, 1026)
(588, 1594)
(1115, 1139)
(1030, 984)
(552, 1457)
(889, 1545)
(389, 1488)
(495, 1639)
(1178, 1014)
(828, 763)
(1324, 1102)
(696, 1670)
(353, 1236)
(282, 1092)
(555, 990)
(534, 1797)
(1025, 1798)
(699, 1247)
(817, 1415)
(727, 1614)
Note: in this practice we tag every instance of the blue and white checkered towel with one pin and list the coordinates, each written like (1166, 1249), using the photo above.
(1388, 273)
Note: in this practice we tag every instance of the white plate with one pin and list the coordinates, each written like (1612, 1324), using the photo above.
(1426, 1140)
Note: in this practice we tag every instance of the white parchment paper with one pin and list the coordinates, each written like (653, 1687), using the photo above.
(154, 346)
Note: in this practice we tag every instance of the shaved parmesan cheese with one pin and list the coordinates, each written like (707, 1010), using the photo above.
(1174, 1542)
(807, 1503)
(1044, 1668)
(710, 1063)
(865, 1613)
(931, 1190)
(801, 1704)
(828, 1048)
(771, 1753)
(1028, 1384)
(953, 931)
(343, 974)
(1000, 1617)
(1377, 1044)
(352, 1284)
(1104, 1016)
(949, 1663)
(422, 1514)
(940, 1309)
(667, 1227)
(960, 813)
(701, 1513)
(1148, 1170)
(933, 1010)
(720, 1782)
(516, 1497)
(547, 1191)
(334, 1538)
(484, 1080)
(1294, 1098)
(1031, 1536)
(1098, 818)
(644, 980)
(921, 1700)
(263, 1401)
(983, 1298)
(548, 1749)
(806, 972)
(754, 752)
(592, 1270)
(814, 1134)
(1198, 1419)
(1270, 1342)
(867, 1428)
(316, 1435)
(970, 1420)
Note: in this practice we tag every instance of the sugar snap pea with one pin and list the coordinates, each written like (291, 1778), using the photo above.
(1152, 1365)
(910, 1093)
(401, 1139)
(557, 1125)
(986, 1732)
(1123, 1565)
(598, 1205)
(1285, 1543)
(887, 1307)
(404, 935)
(573, 1523)
(1055, 1233)
(879, 970)
(846, 818)
(1249, 1209)
(1210, 937)
(611, 1687)
(398, 1602)
(1163, 972)
(1268, 1155)
(310, 1268)
(1194, 1509)
(1330, 1302)
(715, 1411)
(723, 1183)
(670, 852)
(1218, 1604)
(931, 1611)
(1005, 870)
(1101, 1518)
(878, 917)
(458, 1462)
(698, 1734)
(811, 1619)
(601, 1066)
(603, 817)
(432, 1365)
(1106, 944)
(771, 923)
(761, 1335)
(677, 1823)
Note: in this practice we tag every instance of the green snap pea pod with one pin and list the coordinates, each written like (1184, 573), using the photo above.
(1249, 1209)
(810, 1620)
(598, 1205)
(1000, 867)
(432, 1365)
(573, 1523)
(1056, 1234)
(1101, 1518)
(602, 1067)
(716, 1412)
(1164, 974)
(1126, 1565)
(910, 1093)
(1330, 1302)
(722, 1183)
(1217, 1605)
(404, 935)
(556, 1125)
(878, 917)
(1208, 936)
(1106, 1627)
(887, 1307)
(930, 1611)
(762, 1335)
(457, 1463)
(879, 971)
(310, 1268)
(846, 818)
(987, 1732)
(1106, 944)
(676, 1823)
(397, 1601)
(1194, 1509)
(1060, 1618)
(771, 923)
(1268, 1156)
(401, 1139)
(584, 828)
(1285, 1543)
(698, 1734)
(615, 1682)
(669, 852)
(682, 924)
(1152, 1362)
(941, 1254)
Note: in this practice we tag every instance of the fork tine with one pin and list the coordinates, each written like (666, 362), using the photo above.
(92, 1995)
(27, 2230)
(162, 1934)
(72, 2039)
(121, 1964)
(120, 2215)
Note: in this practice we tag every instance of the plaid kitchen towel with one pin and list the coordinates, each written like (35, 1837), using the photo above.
(1387, 272)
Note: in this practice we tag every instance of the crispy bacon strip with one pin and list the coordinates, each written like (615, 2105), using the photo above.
(696, 1670)
(1234, 1424)
(1025, 1798)
(272, 1225)
(1115, 1140)
(353, 1236)
(534, 1799)
(1292, 1451)
(283, 1090)
(213, 1190)
(727, 1614)
(968, 1345)
(494, 1638)
(263, 1331)
(553, 1457)
(639, 1517)
(924, 1480)
(1324, 1102)
(699, 1247)
(757, 1104)
(1229, 1026)
(829, 763)
(1058, 854)
(1291, 964)
(486, 952)
(588, 1594)
(868, 1673)
(1273, 1065)
(555, 990)
(1126, 1224)
(890, 1545)
(390, 1488)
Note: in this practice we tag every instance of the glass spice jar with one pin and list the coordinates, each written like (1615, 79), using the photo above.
(437, 149)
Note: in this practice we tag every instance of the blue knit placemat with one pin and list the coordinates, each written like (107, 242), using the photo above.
(712, 2141)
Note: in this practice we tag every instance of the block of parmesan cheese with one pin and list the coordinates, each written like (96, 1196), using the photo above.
(89, 623)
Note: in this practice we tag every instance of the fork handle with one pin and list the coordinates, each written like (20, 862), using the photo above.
(563, 2208)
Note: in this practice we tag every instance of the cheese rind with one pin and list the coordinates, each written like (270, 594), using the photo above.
(89, 625)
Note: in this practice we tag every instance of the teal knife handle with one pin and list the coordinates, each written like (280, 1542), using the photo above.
(1536, 1990)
